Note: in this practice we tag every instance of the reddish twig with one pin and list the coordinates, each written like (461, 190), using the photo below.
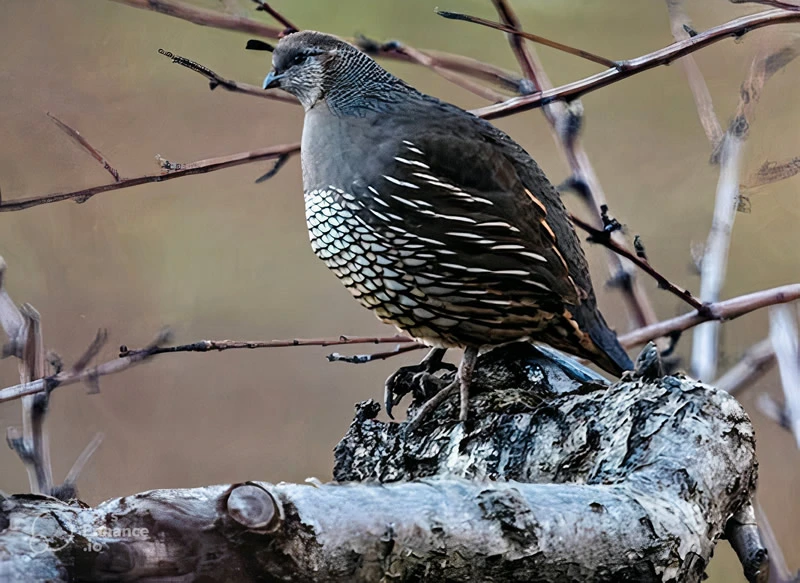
(265, 7)
(199, 167)
(773, 3)
(603, 237)
(735, 28)
(514, 30)
(720, 311)
(215, 80)
(220, 345)
(81, 141)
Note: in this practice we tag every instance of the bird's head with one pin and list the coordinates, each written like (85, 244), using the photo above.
(314, 66)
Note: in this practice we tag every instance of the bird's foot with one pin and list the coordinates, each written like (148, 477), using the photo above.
(461, 384)
(423, 380)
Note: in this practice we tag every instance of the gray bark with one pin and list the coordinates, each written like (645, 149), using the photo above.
(555, 477)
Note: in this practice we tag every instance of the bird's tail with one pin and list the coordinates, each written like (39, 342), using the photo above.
(596, 340)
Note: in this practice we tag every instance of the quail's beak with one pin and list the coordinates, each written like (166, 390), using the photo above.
(272, 80)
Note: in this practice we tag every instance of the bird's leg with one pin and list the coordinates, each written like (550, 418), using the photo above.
(395, 387)
(465, 379)
(462, 382)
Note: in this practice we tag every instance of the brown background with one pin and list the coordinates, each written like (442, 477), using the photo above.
(217, 256)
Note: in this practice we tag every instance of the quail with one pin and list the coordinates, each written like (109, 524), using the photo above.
(433, 218)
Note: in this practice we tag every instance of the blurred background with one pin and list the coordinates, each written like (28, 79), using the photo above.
(217, 256)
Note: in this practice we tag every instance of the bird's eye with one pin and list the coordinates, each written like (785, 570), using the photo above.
(298, 59)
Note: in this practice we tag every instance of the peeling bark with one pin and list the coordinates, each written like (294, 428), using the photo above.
(555, 477)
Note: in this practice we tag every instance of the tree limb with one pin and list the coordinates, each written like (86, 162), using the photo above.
(641, 492)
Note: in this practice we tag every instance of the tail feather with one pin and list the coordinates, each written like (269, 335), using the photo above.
(611, 356)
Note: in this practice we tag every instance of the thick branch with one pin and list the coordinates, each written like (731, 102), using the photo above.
(641, 492)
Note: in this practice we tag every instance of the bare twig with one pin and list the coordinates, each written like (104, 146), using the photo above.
(215, 80)
(734, 28)
(435, 64)
(81, 141)
(365, 358)
(773, 3)
(265, 7)
(783, 333)
(82, 460)
(702, 97)
(220, 345)
(756, 360)
(721, 311)
(603, 237)
(532, 37)
(199, 167)
(485, 71)
(71, 377)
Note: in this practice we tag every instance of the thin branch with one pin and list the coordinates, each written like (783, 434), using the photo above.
(773, 3)
(220, 345)
(222, 21)
(735, 28)
(756, 361)
(721, 311)
(365, 358)
(681, 24)
(71, 377)
(265, 7)
(192, 168)
(529, 36)
(81, 141)
(784, 336)
(468, 66)
(215, 80)
(434, 64)
(603, 237)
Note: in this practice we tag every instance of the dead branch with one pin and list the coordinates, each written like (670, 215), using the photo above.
(784, 336)
(175, 171)
(681, 25)
(603, 237)
(215, 80)
(719, 311)
(527, 35)
(81, 141)
(735, 28)
(622, 490)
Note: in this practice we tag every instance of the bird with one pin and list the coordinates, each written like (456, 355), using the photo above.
(433, 218)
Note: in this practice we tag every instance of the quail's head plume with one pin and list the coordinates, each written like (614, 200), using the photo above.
(434, 219)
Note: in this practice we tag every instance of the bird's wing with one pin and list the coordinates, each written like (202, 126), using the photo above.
(458, 194)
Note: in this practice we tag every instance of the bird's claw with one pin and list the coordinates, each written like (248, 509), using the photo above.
(423, 380)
